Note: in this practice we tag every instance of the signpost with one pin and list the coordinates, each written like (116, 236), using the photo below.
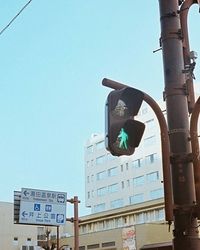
(42, 207)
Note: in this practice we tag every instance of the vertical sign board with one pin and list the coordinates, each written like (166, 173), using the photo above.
(129, 238)
(42, 207)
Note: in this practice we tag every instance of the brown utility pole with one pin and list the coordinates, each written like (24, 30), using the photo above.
(57, 240)
(75, 220)
(186, 236)
(76, 223)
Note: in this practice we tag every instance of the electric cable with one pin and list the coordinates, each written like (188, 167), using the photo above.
(13, 19)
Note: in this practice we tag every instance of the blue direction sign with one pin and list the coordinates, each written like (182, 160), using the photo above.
(42, 207)
(37, 207)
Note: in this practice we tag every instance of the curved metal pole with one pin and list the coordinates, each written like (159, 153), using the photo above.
(184, 26)
(195, 147)
(186, 48)
(184, 10)
(164, 145)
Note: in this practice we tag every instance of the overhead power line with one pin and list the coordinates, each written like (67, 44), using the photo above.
(13, 19)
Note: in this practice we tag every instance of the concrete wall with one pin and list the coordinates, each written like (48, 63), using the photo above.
(24, 235)
(145, 234)
(152, 233)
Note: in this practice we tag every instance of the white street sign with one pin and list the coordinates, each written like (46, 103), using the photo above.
(42, 207)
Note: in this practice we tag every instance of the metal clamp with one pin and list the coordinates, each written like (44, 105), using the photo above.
(183, 158)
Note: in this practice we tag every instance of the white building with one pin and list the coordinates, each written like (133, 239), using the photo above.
(113, 182)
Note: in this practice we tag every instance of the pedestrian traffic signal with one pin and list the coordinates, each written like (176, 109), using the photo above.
(123, 133)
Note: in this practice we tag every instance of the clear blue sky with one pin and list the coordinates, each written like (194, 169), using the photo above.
(52, 61)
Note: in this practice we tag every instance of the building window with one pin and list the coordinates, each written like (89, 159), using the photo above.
(159, 214)
(139, 218)
(116, 203)
(110, 157)
(101, 175)
(150, 141)
(93, 246)
(108, 244)
(137, 163)
(112, 171)
(118, 222)
(138, 198)
(113, 188)
(122, 184)
(88, 179)
(149, 159)
(128, 183)
(149, 216)
(127, 166)
(90, 149)
(83, 229)
(99, 207)
(157, 193)
(150, 123)
(144, 110)
(92, 163)
(154, 176)
(101, 191)
(164, 112)
(100, 160)
(138, 181)
(100, 145)
(88, 195)
(100, 225)
(124, 220)
(15, 241)
(122, 168)
(108, 224)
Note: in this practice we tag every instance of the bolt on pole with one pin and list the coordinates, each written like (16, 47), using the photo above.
(186, 235)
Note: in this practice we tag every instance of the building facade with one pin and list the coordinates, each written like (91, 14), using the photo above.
(113, 182)
(136, 227)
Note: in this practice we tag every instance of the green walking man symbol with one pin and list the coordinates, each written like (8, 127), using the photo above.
(123, 137)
